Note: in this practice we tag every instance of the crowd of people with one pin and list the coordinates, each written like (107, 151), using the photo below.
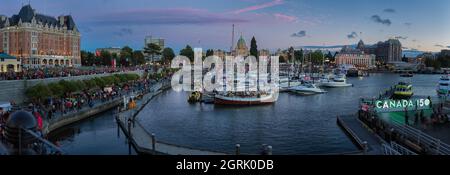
(53, 72)
(52, 108)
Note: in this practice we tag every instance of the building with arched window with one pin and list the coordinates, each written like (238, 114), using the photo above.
(9, 63)
(34, 37)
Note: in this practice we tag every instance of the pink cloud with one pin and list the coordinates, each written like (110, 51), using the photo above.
(164, 16)
(259, 6)
(284, 17)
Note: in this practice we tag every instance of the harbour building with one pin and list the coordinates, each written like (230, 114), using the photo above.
(389, 51)
(40, 40)
(356, 57)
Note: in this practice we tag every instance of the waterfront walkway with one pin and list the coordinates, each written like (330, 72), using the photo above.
(145, 142)
(367, 141)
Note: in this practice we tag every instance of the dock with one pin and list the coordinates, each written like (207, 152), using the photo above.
(360, 134)
(145, 142)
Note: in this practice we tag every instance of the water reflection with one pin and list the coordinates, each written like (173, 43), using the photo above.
(293, 125)
(95, 136)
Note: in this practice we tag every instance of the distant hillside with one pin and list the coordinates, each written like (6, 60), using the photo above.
(412, 53)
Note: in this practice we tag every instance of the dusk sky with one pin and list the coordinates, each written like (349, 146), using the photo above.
(419, 24)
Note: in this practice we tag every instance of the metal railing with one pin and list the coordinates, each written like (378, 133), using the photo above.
(50, 146)
(402, 150)
(421, 138)
(388, 150)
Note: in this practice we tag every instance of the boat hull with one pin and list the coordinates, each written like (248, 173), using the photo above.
(307, 91)
(238, 101)
(304, 92)
(334, 85)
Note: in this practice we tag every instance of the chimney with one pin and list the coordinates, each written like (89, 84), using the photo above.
(61, 20)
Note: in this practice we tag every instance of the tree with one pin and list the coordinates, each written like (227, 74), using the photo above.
(317, 57)
(56, 89)
(38, 92)
(282, 59)
(168, 54)
(138, 57)
(298, 55)
(188, 52)
(90, 84)
(209, 52)
(444, 60)
(84, 58)
(290, 54)
(115, 57)
(254, 48)
(68, 86)
(87, 58)
(105, 57)
(126, 55)
(152, 49)
(91, 58)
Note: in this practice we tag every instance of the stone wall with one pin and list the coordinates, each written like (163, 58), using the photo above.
(15, 89)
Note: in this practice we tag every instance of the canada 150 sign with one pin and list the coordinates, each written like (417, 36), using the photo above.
(401, 105)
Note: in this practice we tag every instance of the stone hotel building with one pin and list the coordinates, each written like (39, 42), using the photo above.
(40, 40)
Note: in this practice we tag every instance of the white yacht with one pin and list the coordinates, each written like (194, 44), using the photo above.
(286, 83)
(443, 86)
(307, 89)
(337, 81)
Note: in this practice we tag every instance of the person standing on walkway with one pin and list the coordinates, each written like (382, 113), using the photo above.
(406, 117)
(416, 118)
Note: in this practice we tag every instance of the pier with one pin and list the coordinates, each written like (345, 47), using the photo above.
(145, 142)
(387, 127)
(366, 141)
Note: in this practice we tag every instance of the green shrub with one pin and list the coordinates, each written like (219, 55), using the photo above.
(38, 92)
(56, 89)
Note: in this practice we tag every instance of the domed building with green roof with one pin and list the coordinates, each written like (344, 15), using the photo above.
(241, 48)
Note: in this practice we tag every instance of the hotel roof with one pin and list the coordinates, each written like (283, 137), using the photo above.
(27, 13)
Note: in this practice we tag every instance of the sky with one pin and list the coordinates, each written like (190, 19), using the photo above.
(419, 24)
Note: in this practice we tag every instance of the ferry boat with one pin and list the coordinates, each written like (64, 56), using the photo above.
(307, 89)
(337, 81)
(443, 86)
(244, 98)
(402, 90)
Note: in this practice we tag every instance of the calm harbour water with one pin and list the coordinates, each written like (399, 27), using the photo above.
(293, 125)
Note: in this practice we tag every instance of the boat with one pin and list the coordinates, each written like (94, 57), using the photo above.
(407, 74)
(353, 72)
(194, 97)
(307, 89)
(337, 81)
(286, 83)
(443, 87)
(244, 98)
(402, 90)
